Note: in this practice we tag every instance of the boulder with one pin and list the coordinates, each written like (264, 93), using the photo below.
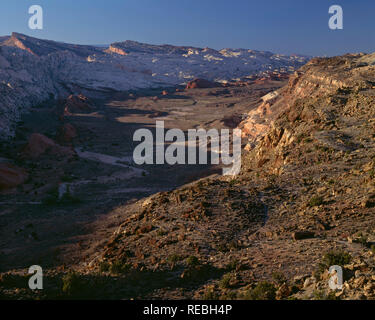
(301, 235)
(202, 84)
(11, 176)
(232, 121)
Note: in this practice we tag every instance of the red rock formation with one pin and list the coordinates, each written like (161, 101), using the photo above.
(11, 176)
(201, 83)
(259, 119)
(77, 104)
(39, 144)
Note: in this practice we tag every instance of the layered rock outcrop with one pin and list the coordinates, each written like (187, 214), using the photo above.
(316, 79)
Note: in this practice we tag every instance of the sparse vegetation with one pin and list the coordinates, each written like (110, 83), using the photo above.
(279, 277)
(72, 284)
(233, 265)
(263, 291)
(174, 258)
(332, 258)
(119, 267)
(322, 295)
(233, 182)
(104, 266)
(225, 281)
(161, 232)
(316, 201)
(210, 294)
(192, 261)
(363, 240)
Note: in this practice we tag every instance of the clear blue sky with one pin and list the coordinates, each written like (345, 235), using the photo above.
(283, 26)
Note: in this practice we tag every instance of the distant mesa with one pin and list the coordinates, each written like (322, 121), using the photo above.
(35, 70)
(130, 46)
(39, 47)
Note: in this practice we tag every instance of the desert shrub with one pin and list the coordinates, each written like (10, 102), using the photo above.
(210, 294)
(119, 267)
(13, 281)
(104, 266)
(161, 232)
(263, 291)
(279, 277)
(72, 284)
(233, 265)
(174, 258)
(229, 295)
(225, 281)
(332, 258)
(192, 261)
(322, 295)
(233, 182)
(205, 204)
(222, 247)
(316, 201)
(233, 245)
(363, 240)
(199, 273)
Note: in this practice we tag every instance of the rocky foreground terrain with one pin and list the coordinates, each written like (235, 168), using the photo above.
(304, 199)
